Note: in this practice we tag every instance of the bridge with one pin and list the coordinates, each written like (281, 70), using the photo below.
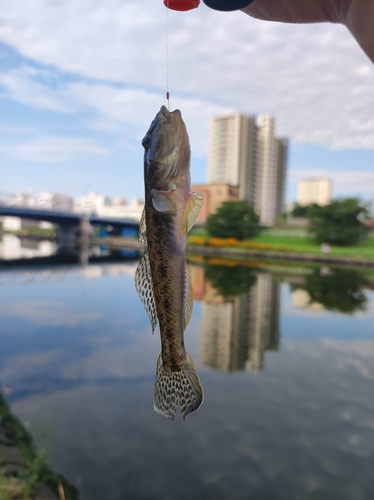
(65, 218)
(74, 229)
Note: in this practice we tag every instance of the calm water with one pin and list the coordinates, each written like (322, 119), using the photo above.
(285, 356)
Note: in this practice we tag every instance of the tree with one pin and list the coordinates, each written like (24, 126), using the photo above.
(230, 281)
(339, 223)
(233, 219)
(302, 210)
(340, 290)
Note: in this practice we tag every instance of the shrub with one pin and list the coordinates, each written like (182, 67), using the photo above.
(339, 223)
(233, 219)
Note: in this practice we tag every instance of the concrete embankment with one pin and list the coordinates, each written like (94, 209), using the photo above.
(212, 251)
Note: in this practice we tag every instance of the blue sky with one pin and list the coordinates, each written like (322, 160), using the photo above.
(80, 82)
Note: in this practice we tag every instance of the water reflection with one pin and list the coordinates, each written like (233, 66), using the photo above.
(77, 354)
(339, 290)
(239, 315)
(18, 252)
(13, 247)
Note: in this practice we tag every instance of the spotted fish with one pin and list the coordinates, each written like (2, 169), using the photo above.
(162, 278)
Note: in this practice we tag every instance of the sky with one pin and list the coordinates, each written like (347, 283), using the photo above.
(81, 81)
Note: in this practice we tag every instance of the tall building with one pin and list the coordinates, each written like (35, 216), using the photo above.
(249, 156)
(316, 190)
(232, 153)
(237, 331)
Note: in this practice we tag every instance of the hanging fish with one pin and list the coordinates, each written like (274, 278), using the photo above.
(162, 278)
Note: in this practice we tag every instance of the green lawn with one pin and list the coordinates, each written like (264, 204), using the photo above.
(307, 245)
(298, 241)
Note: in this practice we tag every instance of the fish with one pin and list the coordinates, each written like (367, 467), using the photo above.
(162, 278)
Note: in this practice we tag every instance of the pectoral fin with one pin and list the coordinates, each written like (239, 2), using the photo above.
(144, 287)
(161, 203)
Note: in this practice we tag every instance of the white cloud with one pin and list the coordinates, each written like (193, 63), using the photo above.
(136, 108)
(29, 365)
(45, 312)
(313, 78)
(22, 86)
(126, 110)
(52, 149)
(16, 129)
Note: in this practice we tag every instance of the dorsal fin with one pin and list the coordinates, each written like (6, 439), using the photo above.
(193, 208)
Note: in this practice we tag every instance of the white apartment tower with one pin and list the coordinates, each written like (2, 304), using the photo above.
(248, 155)
(317, 190)
(237, 332)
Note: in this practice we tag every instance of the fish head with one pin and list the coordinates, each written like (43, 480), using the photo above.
(167, 150)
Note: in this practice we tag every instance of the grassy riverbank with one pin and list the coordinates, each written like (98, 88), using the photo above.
(23, 472)
(294, 241)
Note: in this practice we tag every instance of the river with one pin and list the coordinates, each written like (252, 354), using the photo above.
(285, 354)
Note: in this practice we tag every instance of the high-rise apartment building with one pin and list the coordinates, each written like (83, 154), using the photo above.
(237, 331)
(316, 190)
(249, 156)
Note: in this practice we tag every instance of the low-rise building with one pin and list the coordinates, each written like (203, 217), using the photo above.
(316, 190)
(214, 196)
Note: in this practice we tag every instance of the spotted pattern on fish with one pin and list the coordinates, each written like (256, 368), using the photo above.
(169, 213)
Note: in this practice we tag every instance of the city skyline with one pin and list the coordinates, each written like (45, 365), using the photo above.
(90, 204)
(76, 100)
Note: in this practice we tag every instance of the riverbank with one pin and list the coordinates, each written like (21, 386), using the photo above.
(281, 244)
(24, 474)
(235, 252)
(273, 244)
(215, 247)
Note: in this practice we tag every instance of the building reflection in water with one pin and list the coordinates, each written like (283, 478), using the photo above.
(237, 330)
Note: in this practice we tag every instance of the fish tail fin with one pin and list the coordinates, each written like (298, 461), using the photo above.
(175, 387)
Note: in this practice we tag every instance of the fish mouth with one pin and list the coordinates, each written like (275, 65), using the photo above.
(170, 115)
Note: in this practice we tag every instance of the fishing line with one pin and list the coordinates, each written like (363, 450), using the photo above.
(167, 55)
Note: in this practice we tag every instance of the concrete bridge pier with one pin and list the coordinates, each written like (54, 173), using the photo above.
(74, 237)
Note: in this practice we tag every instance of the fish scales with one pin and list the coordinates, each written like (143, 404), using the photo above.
(162, 278)
(167, 268)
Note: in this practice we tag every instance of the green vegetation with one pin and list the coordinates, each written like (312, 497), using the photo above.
(34, 469)
(302, 210)
(32, 230)
(338, 290)
(298, 242)
(229, 280)
(233, 219)
(339, 223)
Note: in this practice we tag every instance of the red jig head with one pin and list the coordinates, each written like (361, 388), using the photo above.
(181, 5)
